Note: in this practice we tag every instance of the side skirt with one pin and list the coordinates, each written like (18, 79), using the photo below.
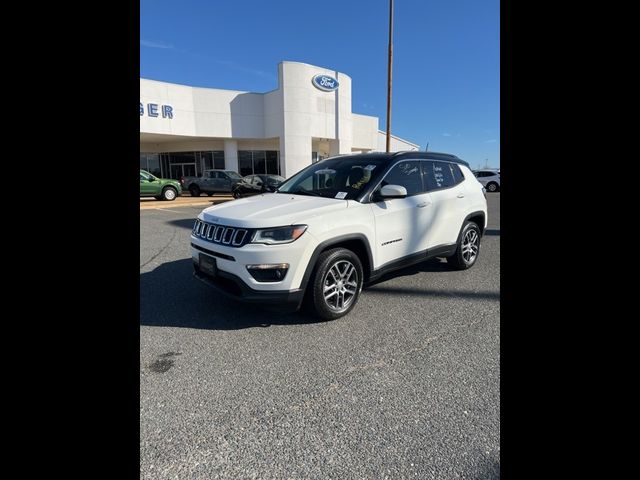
(414, 258)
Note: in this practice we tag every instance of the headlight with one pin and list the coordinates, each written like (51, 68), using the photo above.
(275, 236)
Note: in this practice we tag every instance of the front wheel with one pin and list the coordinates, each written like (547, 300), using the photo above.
(468, 248)
(169, 193)
(236, 194)
(492, 187)
(336, 284)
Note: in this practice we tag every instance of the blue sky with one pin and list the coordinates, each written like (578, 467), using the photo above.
(446, 71)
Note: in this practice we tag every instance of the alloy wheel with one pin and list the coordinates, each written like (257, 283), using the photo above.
(340, 285)
(470, 245)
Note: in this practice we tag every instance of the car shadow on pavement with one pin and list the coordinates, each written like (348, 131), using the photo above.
(492, 232)
(187, 223)
(435, 265)
(171, 297)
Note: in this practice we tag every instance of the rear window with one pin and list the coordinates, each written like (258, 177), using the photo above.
(437, 175)
(457, 173)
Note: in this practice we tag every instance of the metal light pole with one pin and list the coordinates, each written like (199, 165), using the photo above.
(389, 76)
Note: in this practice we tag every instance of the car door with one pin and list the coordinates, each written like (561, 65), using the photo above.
(223, 183)
(147, 187)
(401, 223)
(209, 181)
(448, 194)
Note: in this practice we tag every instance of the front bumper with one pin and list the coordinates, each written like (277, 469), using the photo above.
(235, 288)
(234, 280)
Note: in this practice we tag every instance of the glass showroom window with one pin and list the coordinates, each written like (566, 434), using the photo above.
(151, 163)
(245, 163)
(258, 162)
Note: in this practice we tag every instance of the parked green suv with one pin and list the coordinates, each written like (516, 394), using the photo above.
(161, 188)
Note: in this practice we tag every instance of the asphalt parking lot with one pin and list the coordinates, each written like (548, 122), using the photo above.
(406, 386)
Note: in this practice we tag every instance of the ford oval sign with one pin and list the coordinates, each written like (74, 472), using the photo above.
(325, 83)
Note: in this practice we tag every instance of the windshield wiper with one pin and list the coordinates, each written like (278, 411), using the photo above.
(305, 192)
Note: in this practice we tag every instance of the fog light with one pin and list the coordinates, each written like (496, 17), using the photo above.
(268, 272)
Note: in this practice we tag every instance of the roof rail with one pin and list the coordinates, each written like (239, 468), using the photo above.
(431, 155)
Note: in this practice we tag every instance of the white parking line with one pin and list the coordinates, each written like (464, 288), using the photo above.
(167, 210)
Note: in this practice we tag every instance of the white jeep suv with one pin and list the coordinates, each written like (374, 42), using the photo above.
(338, 224)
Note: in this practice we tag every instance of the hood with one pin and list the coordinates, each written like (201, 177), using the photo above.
(271, 210)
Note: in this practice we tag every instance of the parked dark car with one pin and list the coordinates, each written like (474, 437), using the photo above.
(212, 181)
(256, 184)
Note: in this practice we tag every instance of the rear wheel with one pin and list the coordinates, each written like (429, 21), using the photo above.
(169, 193)
(194, 190)
(209, 194)
(236, 194)
(492, 187)
(336, 284)
(468, 247)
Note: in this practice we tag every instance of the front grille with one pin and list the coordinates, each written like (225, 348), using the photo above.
(221, 234)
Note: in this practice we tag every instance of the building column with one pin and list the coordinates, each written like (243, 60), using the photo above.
(295, 154)
(337, 147)
(231, 155)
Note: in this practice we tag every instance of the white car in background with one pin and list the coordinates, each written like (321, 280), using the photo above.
(490, 179)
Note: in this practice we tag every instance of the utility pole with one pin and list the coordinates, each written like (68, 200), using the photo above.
(389, 64)
(427, 147)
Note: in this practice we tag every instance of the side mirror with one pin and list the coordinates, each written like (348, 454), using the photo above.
(392, 191)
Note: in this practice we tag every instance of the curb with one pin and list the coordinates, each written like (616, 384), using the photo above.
(160, 204)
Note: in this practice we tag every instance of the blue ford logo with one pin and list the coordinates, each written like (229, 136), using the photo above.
(325, 83)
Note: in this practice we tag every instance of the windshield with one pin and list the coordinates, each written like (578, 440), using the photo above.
(340, 177)
(234, 175)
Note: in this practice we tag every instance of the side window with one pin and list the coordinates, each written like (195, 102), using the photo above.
(457, 173)
(213, 175)
(142, 177)
(406, 174)
(437, 175)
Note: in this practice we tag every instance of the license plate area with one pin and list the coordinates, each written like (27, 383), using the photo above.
(208, 264)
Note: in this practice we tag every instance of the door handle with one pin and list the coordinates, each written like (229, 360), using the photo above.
(461, 195)
(423, 204)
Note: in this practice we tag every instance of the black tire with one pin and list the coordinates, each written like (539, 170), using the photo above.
(321, 276)
(194, 190)
(169, 193)
(493, 187)
(237, 194)
(462, 260)
(209, 194)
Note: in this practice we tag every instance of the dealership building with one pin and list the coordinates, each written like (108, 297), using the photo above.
(185, 130)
